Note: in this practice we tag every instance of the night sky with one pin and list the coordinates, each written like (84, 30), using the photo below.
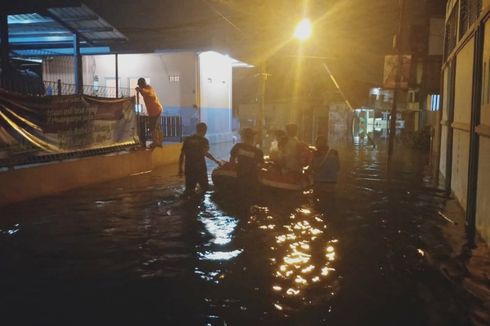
(351, 36)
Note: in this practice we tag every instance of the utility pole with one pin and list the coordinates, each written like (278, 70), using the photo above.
(397, 80)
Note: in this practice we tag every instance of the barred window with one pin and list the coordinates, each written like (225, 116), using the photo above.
(469, 12)
(450, 39)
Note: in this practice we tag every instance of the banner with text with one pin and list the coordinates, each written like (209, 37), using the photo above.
(62, 124)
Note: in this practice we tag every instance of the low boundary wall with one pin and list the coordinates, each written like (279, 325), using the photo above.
(26, 183)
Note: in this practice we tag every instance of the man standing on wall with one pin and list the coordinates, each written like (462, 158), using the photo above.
(154, 108)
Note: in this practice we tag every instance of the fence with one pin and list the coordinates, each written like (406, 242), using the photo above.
(25, 83)
(59, 88)
(171, 127)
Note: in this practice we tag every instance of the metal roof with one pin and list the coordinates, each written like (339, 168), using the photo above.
(51, 32)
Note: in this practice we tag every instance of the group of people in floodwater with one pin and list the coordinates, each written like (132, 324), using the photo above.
(288, 154)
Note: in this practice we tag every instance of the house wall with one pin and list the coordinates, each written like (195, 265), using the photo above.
(462, 50)
(444, 122)
(215, 94)
(172, 75)
(197, 87)
(483, 184)
(461, 124)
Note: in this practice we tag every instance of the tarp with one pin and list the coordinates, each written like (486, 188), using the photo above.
(62, 124)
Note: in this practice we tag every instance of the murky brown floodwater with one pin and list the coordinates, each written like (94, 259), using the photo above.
(131, 252)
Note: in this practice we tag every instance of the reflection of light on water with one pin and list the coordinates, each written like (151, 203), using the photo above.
(307, 269)
(220, 227)
(304, 211)
(208, 276)
(12, 231)
(304, 260)
(291, 291)
(270, 227)
(300, 280)
(219, 255)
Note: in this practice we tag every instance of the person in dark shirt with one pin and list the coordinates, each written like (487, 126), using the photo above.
(194, 151)
(248, 159)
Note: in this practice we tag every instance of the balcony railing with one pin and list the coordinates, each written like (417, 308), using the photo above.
(57, 88)
(171, 127)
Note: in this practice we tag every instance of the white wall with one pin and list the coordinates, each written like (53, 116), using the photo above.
(61, 68)
(158, 67)
(215, 93)
(202, 90)
(444, 129)
(462, 112)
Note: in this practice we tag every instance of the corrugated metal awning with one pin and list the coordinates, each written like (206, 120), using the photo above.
(51, 31)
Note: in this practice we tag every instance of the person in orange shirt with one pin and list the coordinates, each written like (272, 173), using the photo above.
(154, 108)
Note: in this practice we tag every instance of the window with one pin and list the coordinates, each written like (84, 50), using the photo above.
(450, 38)
(434, 102)
(469, 12)
(174, 78)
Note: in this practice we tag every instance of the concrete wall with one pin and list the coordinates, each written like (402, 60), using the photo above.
(158, 67)
(49, 179)
(483, 190)
(436, 36)
(461, 124)
(215, 94)
(463, 91)
(483, 185)
(444, 121)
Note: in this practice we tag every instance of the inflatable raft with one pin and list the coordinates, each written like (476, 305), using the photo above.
(225, 176)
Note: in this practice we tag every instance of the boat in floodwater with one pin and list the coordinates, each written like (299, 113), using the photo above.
(225, 177)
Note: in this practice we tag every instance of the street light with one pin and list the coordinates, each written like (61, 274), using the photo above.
(302, 32)
(303, 29)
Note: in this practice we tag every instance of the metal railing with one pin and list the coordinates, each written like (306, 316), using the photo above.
(26, 84)
(171, 127)
(59, 88)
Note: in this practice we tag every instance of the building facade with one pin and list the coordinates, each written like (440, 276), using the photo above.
(197, 86)
(465, 121)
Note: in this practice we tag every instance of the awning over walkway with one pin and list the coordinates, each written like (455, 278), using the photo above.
(34, 28)
(52, 31)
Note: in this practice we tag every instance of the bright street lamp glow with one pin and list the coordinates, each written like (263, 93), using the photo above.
(303, 30)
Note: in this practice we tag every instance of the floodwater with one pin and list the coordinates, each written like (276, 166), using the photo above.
(385, 249)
